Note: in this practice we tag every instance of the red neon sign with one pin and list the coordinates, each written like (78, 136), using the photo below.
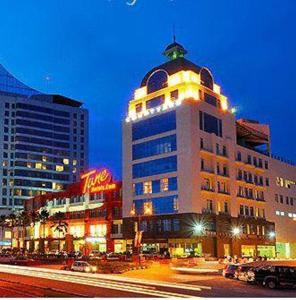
(97, 181)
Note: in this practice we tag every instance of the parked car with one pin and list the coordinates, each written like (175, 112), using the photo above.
(5, 258)
(229, 270)
(241, 273)
(95, 253)
(273, 276)
(83, 266)
(21, 260)
(113, 256)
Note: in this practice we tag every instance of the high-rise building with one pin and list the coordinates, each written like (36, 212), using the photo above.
(195, 179)
(44, 142)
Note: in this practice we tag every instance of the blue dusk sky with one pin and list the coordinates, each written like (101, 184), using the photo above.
(98, 51)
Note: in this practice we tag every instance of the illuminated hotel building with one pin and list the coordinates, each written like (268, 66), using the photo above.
(43, 142)
(194, 177)
(92, 213)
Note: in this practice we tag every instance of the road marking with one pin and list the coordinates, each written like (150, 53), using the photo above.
(89, 279)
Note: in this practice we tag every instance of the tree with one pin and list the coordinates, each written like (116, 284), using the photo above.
(22, 220)
(43, 217)
(60, 225)
(3, 223)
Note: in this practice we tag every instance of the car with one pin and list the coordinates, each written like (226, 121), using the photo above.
(113, 256)
(83, 266)
(5, 258)
(95, 253)
(273, 276)
(229, 270)
(241, 273)
(21, 260)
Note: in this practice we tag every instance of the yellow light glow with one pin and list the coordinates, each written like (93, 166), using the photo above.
(217, 88)
(191, 93)
(224, 103)
(183, 77)
(140, 93)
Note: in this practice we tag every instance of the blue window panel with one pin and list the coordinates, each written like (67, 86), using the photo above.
(155, 186)
(139, 188)
(211, 99)
(160, 205)
(157, 101)
(173, 184)
(155, 147)
(154, 125)
(155, 167)
(210, 124)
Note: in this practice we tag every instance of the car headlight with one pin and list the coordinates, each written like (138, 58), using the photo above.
(94, 268)
(87, 269)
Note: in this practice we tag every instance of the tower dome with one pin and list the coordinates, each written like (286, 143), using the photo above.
(174, 50)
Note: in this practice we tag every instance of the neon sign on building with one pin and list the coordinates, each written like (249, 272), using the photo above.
(96, 181)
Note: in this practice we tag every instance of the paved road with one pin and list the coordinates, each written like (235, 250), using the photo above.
(91, 285)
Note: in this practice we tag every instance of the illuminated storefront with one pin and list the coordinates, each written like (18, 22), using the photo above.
(84, 217)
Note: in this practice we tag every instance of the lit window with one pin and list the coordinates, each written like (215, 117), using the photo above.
(176, 203)
(99, 230)
(74, 170)
(277, 213)
(66, 161)
(44, 158)
(7, 235)
(38, 166)
(294, 215)
(59, 168)
(282, 213)
(147, 207)
(290, 215)
(164, 184)
(148, 187)
(74, 162)
(29, 165)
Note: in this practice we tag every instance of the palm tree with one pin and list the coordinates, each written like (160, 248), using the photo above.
(22, 220)
(60, 225)
(3, 224)
(43, 217)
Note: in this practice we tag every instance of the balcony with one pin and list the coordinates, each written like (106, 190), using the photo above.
(224, 192)
(207, 188)
(207, 211)
(207, 170)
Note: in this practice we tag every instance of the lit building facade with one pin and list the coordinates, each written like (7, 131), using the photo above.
(91, 210)
(44, 142)
(195, 178)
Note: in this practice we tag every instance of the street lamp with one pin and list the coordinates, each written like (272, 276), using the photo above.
(198, 228)
(236, 231)
(271, 234)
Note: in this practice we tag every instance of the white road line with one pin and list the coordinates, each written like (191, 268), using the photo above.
(89, 280)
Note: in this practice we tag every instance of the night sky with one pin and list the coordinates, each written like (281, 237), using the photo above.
(98, 51)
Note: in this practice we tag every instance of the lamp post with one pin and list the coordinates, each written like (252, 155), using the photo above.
(147, 211)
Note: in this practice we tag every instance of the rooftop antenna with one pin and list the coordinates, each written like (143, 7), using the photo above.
(174, 33)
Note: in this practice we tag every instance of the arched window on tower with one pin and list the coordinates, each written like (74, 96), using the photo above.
(206, 78)
(158, 80)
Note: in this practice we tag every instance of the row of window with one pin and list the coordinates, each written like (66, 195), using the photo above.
(161, 225)
(46, 134)
(155, 186)
(33, 140)
(155, 147)
(37, 174)
(156, 206)
(43, 150)
(154, 125)
(250, 211)
(257, 162)
(41, 109)
(41, 125)
(35, 116)
(287, 200)
(155, 167)
(283, 214)
(221, 169)
(249, 193)
(251, 178)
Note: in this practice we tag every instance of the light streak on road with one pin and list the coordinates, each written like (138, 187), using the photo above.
(145, 287)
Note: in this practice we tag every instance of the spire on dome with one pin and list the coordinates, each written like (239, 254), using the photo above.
(174, 50)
